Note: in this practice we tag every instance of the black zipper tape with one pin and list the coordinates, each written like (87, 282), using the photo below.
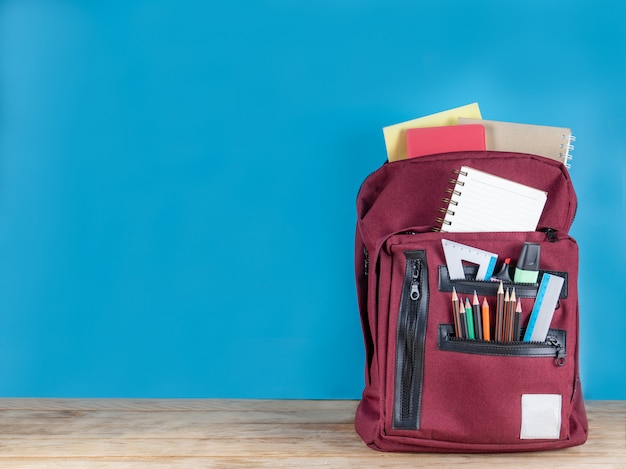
(489, 288)
(410, 342)
(554, 345)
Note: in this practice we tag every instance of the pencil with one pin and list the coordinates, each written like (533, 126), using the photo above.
(470, 320)
(462, 320)
(455, 313)
(486, 321)
(478, 328)
(507, 312)
(518, 321)
(512, 311)
(499, 312)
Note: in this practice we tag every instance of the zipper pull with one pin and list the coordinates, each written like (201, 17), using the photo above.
(550, 234)
(559, 360)
(415, 292)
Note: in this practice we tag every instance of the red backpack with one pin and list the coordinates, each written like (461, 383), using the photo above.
(427, 389)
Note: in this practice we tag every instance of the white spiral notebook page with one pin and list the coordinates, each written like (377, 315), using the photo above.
(483, 202)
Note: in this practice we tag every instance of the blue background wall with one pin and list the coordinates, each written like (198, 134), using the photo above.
(178, 178)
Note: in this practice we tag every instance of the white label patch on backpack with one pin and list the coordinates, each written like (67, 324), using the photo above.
(541, 416)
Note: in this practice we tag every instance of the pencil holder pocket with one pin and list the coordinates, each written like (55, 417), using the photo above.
(554, 346)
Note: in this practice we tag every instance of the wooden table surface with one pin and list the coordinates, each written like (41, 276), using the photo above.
(190, 433)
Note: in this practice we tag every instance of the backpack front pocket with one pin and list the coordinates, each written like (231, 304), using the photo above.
(450, 389)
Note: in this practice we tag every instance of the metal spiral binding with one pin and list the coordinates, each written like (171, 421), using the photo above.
(449, 201)
(566, 149)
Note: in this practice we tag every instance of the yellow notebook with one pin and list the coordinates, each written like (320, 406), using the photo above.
(552, 142)
(395, 135)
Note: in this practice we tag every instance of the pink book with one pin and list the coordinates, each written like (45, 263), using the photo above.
(430, 140)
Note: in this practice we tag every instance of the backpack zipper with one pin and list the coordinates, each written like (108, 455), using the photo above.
(554, 345)
(551, 234)
(410, 341)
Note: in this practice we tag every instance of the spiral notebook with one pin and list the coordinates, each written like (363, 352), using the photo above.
(481, 201)
(544, 140)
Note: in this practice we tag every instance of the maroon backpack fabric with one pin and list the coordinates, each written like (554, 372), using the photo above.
(425, 390)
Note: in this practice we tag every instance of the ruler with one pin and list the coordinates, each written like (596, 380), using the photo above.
(543, 310)
(457, 253)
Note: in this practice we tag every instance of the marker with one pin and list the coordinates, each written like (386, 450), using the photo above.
(527, 270)
(486, 321)
(503, 273)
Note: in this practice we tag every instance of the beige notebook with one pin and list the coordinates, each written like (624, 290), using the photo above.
(552, 142)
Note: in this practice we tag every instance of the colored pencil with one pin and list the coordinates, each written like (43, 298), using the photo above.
(455, 313)
(518, 321)
(499, 312)
(513, 303)
(486, 321)
(478, 328)
(470, 320)
(505, 316)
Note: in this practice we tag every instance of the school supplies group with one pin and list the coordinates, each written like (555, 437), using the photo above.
(471, 328)
(507, 321)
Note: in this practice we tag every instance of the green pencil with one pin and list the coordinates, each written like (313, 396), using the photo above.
(470, 319)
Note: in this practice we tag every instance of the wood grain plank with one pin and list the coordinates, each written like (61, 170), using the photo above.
(180, 433)
(191, 405)
(384, 461)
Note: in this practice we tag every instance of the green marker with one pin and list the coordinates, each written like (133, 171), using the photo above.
(527, 269)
